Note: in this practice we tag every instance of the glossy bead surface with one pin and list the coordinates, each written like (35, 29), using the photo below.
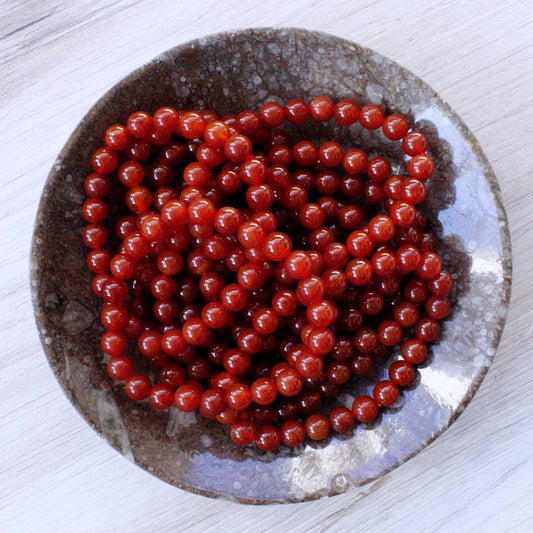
(365, 409)
(317, 427)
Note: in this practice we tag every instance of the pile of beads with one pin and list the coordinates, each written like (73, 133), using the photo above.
(257, 276)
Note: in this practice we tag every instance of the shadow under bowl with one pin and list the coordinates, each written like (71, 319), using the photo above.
(242, 70)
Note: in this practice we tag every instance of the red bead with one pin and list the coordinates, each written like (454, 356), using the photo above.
(371, 116)
(237, 362)
(331, 154)
(414, 351)
(360, 244)
(413, 191)
(355, 161)
(284, 303)
(346, 112)
(98, 260)
(371, 302)
(297, 111)
(305, 153)
(292, 433)
(268, 438)
(438, 307)
(381, 228)
(117, 137)
(273, 114)
(95, 210)
(216, 133)
(308, 364)
(259, 197)
(237, 148)
(386, 393)
(104, 160)
(120, 367)
(414, 143)
(265, 321)
(441, 285)
(97, 186)
(162, 396)
(196, 332)
(395, 127)
(139, 124)
(251, 276)
(359, 272)
(365, 409)
(336, 255)
(317, 427)
(243, 433)
(253, 171)
(298, 265)
(338, 372)
(416, 291)
(401, 373)
(191, 125)
(114, 317)
(430, 266)
(321, 340)
(95, 236)
(238, 396)
(341, 419)
(201, 211)
(390, 333)
(406, 314)
(138, 387)
(234, 297)
(402, 214)
(322, 313)
(407, 258)
(361, 364)
(264, 391)
(321, 108)
(248, 122)
(289, 382)
(311, 216)
(366, 340)
(378, 169)
(374, 193)
(384, 263)
(327, 182)
(139, 199)
(172, 374)
(421, 167)
(188, 396)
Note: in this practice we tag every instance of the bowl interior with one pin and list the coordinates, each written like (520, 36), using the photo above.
(237, 71)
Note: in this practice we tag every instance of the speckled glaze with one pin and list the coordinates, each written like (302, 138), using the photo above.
(235, 71)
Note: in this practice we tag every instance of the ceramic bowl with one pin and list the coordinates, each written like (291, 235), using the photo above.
(241, 70)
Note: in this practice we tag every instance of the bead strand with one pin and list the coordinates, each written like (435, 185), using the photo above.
(183, 244)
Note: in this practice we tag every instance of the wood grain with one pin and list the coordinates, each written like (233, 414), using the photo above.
(56, 58)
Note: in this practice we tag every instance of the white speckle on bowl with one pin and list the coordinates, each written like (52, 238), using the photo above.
(183, 91)
(206, 440)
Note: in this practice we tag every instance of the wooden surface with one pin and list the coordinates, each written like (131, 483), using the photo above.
(56, 59)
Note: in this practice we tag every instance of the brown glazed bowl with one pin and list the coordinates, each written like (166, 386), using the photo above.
(237, 71)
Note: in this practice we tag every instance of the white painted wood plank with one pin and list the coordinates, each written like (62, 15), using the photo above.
(56, 58)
